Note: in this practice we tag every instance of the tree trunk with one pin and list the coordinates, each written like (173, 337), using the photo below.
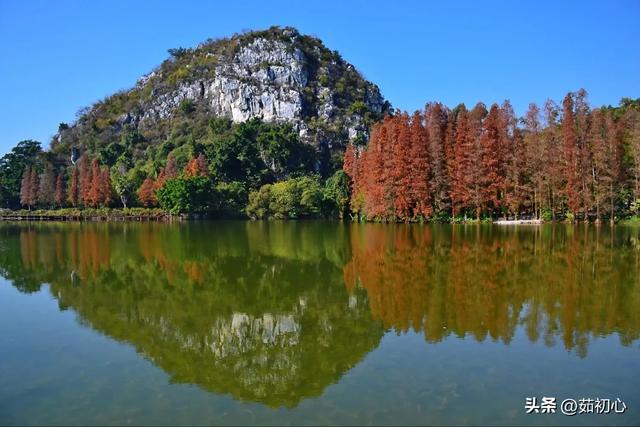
(612, 218)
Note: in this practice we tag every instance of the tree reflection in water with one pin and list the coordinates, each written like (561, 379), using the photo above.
(556, 282)
(276, 312)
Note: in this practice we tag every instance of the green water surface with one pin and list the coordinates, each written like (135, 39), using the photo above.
(234, 322)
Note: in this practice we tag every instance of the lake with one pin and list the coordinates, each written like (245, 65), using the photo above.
(234, 322)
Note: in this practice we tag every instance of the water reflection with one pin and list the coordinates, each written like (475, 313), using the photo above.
(276, 312)
(558, 283)
(254, 311)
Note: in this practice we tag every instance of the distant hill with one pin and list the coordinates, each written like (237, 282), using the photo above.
(276, 75)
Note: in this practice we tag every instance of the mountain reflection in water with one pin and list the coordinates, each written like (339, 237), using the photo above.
(276, 312)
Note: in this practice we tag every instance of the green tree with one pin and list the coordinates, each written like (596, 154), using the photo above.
(336, 195)
(230, 199)
(282, 151)
(311, 196)
(236, 157)
(294, 198)
(186, 195)
(122, 184)
(12, 165)
(258, 205)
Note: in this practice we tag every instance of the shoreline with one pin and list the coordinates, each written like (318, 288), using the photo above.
(518, 222)
(58, 218)
(97, 215)
(159, 215)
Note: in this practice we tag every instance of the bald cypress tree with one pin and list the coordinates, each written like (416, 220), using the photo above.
(146, 193)
(105, 188)
(93, 197)
(376, 177)
(59, 195)
(461, 182)
(403, 200)
(85, 180)
(437, 129)
(73, 192)
(46, 189)
(492, 181)
(420, 170)
(25, 188)
(33, 187)
(570, 156)
(534, 158)
(476, 153)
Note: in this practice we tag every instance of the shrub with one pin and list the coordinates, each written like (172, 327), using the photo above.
(336, 195)
(187, 106)
(258, 205)
(294, 198)
(186, 195)
(230, 198)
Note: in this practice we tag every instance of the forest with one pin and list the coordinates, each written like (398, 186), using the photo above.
(559, 162)
(567, 162)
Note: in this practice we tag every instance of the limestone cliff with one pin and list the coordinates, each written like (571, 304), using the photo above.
(277, 75)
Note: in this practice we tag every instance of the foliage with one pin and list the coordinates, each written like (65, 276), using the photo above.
(582, 164)
(146, 193)
(123, 184)
(187, 106)
(12, 165)
(46, 188)
(230, 199)
(235, 157)
(336, 195)
(282, 151)
(256, 153)
(29, 188)
(59, 197)
(186, 195)
(632, 220)
(197, 166)
(294, 198)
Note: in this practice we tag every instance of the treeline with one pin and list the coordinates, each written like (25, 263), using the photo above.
(561, 162)
(568, 162)
(88, 186)
(220, 174)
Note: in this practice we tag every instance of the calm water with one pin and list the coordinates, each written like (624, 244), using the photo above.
(312, 322)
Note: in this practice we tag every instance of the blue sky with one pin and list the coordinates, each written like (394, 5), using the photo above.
(57, 57)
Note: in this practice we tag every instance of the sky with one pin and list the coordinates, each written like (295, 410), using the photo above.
(57, 57)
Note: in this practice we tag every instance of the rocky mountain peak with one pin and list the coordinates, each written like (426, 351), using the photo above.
(277, 75)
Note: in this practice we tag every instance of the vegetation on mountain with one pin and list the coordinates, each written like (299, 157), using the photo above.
(173, 107)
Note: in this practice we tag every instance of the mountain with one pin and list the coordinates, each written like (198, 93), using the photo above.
(278, 76)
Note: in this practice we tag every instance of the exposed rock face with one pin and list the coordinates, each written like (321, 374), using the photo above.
(242, 333)
(268, 357)
(263, 80)
(267, 79)
(277, 75)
